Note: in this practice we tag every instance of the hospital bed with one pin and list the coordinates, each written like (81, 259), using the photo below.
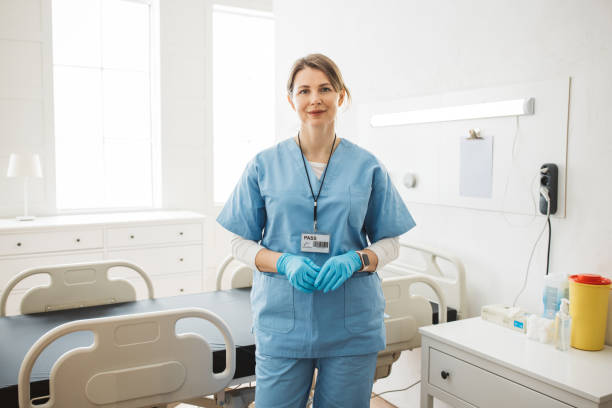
(423, 286)
(419, 275)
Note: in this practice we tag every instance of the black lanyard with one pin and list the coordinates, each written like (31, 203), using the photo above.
(314, 216)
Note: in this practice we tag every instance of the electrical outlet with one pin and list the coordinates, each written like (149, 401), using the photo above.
(549, 179)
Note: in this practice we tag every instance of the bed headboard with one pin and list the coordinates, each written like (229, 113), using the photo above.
(448, 274)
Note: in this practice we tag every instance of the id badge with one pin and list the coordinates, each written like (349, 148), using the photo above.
(312, 242)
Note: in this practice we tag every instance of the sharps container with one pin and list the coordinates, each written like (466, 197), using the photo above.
(589, 310)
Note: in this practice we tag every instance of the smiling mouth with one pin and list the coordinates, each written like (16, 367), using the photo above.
(316, 112)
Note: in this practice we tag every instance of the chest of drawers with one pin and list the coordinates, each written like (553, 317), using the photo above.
(474, 363)
(168, 245)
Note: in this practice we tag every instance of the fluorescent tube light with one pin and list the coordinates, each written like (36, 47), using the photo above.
(513, 107)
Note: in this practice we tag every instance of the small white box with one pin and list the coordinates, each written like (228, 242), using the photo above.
(511, 317)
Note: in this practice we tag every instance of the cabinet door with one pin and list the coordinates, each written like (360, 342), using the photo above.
(153, 235)
(36, 242)
(164, 286)
(159, 261)
(480, 387)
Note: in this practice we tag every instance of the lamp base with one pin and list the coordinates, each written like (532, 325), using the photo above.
(25, 218)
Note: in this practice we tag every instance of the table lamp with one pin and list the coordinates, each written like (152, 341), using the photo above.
(24, 165)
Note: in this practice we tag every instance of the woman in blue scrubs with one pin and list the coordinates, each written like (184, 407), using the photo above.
(314, 203)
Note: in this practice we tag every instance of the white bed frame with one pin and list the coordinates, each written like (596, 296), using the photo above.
(409, 284)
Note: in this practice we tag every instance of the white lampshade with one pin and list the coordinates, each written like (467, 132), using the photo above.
(24, 165)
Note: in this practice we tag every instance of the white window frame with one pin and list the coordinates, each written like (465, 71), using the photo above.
(155, 116)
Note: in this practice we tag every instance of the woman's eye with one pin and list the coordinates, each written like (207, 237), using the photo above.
(303, 92)
(325, 89)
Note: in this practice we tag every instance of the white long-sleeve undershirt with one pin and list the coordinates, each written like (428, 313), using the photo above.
(245, 250)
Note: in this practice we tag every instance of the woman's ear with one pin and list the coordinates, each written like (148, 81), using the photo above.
(290, 101)
(341, 98)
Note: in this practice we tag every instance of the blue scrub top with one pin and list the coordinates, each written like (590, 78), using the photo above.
(272, 204)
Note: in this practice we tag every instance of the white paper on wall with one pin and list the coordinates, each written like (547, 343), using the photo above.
(476, 167)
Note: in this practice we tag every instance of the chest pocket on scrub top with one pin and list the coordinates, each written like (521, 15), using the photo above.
(364, 303)
(359, 198)
(272, 302)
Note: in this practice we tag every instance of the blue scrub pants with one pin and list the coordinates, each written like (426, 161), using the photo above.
(342, 382)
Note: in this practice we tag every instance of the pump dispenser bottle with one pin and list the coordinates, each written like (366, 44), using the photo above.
(563, 326)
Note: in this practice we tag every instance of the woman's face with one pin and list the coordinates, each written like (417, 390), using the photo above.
(314, 99)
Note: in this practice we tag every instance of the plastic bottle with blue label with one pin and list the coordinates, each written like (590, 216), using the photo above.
(556, 287)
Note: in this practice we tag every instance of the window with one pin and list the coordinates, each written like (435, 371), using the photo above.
(243, 92)
(102, 104)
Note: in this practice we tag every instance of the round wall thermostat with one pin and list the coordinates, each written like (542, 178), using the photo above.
(410, 180)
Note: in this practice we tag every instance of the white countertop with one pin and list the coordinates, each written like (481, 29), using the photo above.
(8, 225)
(584, 373)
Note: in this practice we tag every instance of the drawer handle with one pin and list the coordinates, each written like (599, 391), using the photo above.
(444, 374)
(131, 237)
(78, 240)
(181, 233)
(181, 259)
(19, 244)
(182, 290)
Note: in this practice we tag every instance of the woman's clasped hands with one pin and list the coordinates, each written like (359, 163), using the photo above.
(305, 275)
(299, 270)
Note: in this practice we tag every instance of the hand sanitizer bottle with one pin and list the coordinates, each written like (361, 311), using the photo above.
(563, 326)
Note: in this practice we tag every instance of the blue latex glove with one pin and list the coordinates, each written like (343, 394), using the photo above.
(337, 270)
(299, 270)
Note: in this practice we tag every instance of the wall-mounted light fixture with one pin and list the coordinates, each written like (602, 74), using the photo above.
(514, 107)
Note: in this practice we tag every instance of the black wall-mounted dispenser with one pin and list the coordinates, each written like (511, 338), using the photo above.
(549, 179)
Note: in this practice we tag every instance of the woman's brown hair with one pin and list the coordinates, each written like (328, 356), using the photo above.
(323, 64)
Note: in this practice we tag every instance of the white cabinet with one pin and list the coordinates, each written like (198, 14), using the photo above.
(474, 363)
(170, 286)
(153, 235)
(37, 242)
(185, 262)
(158, 261)
(482, 388)
(168, 245)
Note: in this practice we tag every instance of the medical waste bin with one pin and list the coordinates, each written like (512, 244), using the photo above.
(589, 310)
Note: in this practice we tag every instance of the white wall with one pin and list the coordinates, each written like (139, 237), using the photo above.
(184, 47)
(25, 111)
(397, 49)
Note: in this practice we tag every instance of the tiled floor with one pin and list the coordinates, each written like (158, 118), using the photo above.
(379, 402)
(405, 372)
(376, 403)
